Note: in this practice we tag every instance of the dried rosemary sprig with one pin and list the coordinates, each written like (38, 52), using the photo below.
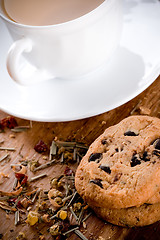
(20, 150)
(16, 217)
(72, 199)
(5, 206)
(65, 144)
(4, 157)
(8, 149)
(53, 150)
(44, 165)
(4, 198)
(38, 177)
(70, 231)
(80, 235)
(73, 213)
(19, 129)
(15, 183)
(81, 216)
(16, 202)
(89, 214)
(36, 195)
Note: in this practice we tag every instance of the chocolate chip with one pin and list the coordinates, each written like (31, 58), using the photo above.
(105, 168)
(104, 141)
(95, 156)
(145, 157)
(97, 182)
(157, 144)
(135, 161)
(117, 177)
(130, 133)
(157, 153)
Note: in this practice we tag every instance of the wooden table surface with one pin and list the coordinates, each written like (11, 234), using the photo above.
(86, 131)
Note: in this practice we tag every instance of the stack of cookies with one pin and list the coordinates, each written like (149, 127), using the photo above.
(119, 177)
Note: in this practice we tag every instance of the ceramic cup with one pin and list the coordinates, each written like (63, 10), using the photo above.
(66, 51)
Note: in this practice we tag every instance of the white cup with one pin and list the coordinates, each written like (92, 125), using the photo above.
(67, 50)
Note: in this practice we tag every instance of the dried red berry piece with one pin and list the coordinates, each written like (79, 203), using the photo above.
(1, 126)
(22, 178)
(24, 181)
(12, 201)
(9, 122)
(19, 176)
(68, 171)
(40, 147)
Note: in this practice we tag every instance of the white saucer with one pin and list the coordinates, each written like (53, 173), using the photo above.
(134, 66)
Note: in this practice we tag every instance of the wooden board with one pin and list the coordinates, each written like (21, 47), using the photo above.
(86, 131)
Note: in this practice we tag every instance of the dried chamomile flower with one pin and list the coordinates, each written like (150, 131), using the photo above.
(55, 229)
(32, 218)
(58, 200)
(77, 206)
(21, 236)
(56, 193)
(54, 183)
(45, 218)
(34, 163)
(62, 214)
(42, 206)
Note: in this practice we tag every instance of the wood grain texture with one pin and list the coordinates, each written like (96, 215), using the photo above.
(86, 130)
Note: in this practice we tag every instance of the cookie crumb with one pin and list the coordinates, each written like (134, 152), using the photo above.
(12, 136)
(84, 225)
(100, 238)
(144, 110)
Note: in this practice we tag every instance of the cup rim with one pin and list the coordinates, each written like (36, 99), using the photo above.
(92, 12)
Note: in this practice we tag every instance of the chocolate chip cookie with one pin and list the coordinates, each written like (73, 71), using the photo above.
(130, 217)
(122, 166)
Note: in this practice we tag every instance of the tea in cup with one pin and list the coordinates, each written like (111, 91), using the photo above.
(47, 12)
(60, 38)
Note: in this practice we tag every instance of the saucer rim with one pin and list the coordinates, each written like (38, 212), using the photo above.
(146, 79)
